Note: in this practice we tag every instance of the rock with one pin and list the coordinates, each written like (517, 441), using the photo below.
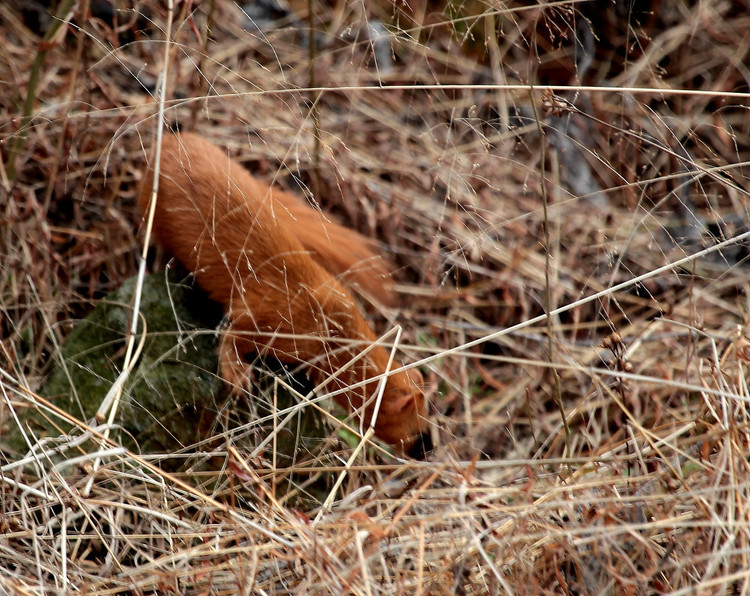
(173, 398)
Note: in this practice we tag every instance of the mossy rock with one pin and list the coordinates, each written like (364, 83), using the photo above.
(173, 398)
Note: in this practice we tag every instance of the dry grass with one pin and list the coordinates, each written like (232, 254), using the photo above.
(602, 449)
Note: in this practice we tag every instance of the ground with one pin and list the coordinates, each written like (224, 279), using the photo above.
(562, 192)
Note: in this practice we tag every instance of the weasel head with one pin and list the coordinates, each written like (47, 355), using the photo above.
(402, 419)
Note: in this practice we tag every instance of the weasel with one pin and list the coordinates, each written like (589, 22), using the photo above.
(272, 262)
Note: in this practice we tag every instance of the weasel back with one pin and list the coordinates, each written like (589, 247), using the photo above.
(347, 255)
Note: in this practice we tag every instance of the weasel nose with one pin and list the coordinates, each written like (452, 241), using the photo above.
(421, 447)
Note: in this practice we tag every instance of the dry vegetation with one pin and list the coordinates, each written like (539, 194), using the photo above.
(602, 449)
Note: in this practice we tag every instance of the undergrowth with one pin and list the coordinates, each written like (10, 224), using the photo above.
(562, 190)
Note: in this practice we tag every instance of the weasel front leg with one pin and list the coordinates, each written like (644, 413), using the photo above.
(233, 368)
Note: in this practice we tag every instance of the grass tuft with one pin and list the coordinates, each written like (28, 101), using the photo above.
(563, 191)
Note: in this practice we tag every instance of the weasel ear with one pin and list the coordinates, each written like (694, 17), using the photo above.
(416, 377)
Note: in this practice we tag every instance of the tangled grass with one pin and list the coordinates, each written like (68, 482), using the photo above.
(562, 188)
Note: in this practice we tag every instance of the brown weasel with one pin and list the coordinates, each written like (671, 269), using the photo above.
(272, 262)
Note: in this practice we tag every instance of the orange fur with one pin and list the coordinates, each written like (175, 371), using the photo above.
(272, 262)
(344, 253)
